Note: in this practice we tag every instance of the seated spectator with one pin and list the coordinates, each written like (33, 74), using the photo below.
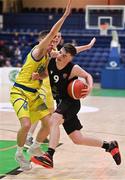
(7, 63)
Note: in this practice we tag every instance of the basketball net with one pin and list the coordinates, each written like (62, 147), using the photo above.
(104, 29)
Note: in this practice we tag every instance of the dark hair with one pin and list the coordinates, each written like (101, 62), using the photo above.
(69, 48)
(42, 34)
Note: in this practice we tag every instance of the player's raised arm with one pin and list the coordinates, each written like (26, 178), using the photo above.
(41, 48)
(78, 48)
(55, 29)
(86, 47)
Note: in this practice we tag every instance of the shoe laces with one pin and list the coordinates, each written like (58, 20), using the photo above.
(112, 145)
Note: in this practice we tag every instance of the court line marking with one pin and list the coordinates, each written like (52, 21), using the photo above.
(7, 148)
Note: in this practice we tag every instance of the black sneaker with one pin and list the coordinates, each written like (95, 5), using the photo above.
(46, 160)
(114, 151)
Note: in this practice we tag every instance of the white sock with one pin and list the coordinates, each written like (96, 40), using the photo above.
(19, 150)
(36, 144)
(29, 135)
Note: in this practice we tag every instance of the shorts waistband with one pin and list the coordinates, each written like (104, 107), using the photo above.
(25, 88)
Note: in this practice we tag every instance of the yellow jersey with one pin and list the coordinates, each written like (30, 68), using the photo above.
(25, 75)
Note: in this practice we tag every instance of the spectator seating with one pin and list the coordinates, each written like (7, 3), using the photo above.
(22, 29)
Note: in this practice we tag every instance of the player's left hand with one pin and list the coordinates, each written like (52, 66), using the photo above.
(92, 42)
(86, 91)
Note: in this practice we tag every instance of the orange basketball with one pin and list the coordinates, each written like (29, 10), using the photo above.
(75, 87)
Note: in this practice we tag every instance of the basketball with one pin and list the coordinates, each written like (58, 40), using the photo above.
(75, 88)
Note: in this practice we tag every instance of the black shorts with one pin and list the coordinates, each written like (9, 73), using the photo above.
(69, 109)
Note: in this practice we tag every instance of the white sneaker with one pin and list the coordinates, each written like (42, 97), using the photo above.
(25, 165)
(35, 151)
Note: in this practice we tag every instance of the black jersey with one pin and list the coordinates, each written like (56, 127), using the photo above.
(59, 79)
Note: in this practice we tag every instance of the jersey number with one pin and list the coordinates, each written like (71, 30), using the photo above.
(56, 78)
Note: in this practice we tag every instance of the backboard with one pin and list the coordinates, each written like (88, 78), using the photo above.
(96, 15)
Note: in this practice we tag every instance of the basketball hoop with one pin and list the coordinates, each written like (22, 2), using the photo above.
(104, 29)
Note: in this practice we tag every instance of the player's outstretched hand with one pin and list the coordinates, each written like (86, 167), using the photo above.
(68, 9)
(92, 42)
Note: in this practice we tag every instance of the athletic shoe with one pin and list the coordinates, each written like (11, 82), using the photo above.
(46, 160)
(25, 165)
(114, 151)
(35, 151)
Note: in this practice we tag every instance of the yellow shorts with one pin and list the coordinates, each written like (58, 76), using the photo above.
(28, 104)
(46, 94)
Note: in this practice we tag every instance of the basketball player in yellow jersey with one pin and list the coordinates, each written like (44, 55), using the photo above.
(46, 94)
(25, 97)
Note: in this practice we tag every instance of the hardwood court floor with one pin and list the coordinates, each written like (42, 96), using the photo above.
(73, 162)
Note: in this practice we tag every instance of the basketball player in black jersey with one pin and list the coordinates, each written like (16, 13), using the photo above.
(61, 71)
